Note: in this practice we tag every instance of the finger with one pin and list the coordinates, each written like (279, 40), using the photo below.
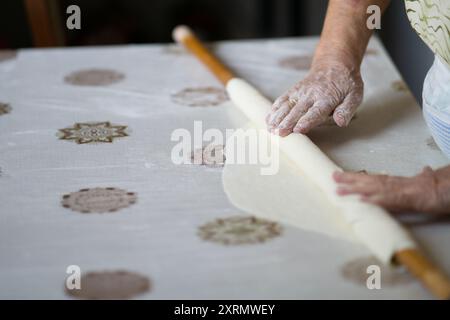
(285, 127)
(342, 177)
(315, 116)
(277, 116)
(362, 183)
(344, 113)
(365, 189)
(347, 177)
(391, 193)
(373, 199)
(285, 102)
(279, 102)
(275, 106)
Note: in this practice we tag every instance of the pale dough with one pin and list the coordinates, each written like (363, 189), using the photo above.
(303, 193)
(288, 196)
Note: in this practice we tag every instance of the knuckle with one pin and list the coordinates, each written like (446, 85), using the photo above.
(280, 116)
(319, 112)
(288, 122)
(277, 103)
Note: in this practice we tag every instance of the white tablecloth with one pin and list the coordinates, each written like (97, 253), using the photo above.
(155, 231)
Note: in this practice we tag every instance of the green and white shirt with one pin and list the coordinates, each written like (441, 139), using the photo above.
(431, 20)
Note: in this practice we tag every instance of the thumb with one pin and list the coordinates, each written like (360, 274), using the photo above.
(344, 112)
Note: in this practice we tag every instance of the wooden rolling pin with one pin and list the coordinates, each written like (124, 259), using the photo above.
(417, 264)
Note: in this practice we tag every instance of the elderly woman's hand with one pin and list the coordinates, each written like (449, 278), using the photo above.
(333, 86)
(427, 192)
(330, 88)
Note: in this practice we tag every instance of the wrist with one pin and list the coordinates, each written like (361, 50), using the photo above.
(429, 191)
(442, 185)
(326, 57)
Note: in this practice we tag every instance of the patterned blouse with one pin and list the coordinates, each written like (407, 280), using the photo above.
(431, 20)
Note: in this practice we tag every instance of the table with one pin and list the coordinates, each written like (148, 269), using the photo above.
(87, 178)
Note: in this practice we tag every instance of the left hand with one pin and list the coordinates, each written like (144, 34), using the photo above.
(427, 192)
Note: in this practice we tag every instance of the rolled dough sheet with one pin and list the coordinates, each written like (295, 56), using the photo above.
(287, 196)
(372, 225)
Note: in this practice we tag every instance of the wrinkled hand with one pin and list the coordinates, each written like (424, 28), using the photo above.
(427, 192)
(330, 88)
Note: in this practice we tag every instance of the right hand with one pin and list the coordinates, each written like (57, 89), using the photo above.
(330, 88)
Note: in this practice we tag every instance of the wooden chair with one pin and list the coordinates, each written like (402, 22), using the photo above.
(44, 18)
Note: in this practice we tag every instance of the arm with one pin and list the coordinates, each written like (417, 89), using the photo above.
(427, 192)
(345, 34)
(334, 85)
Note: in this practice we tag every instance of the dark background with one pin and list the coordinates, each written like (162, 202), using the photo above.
(151, 21)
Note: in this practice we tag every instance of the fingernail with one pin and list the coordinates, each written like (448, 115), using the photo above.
(283, 132)
(302, 129)
(339, 119)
